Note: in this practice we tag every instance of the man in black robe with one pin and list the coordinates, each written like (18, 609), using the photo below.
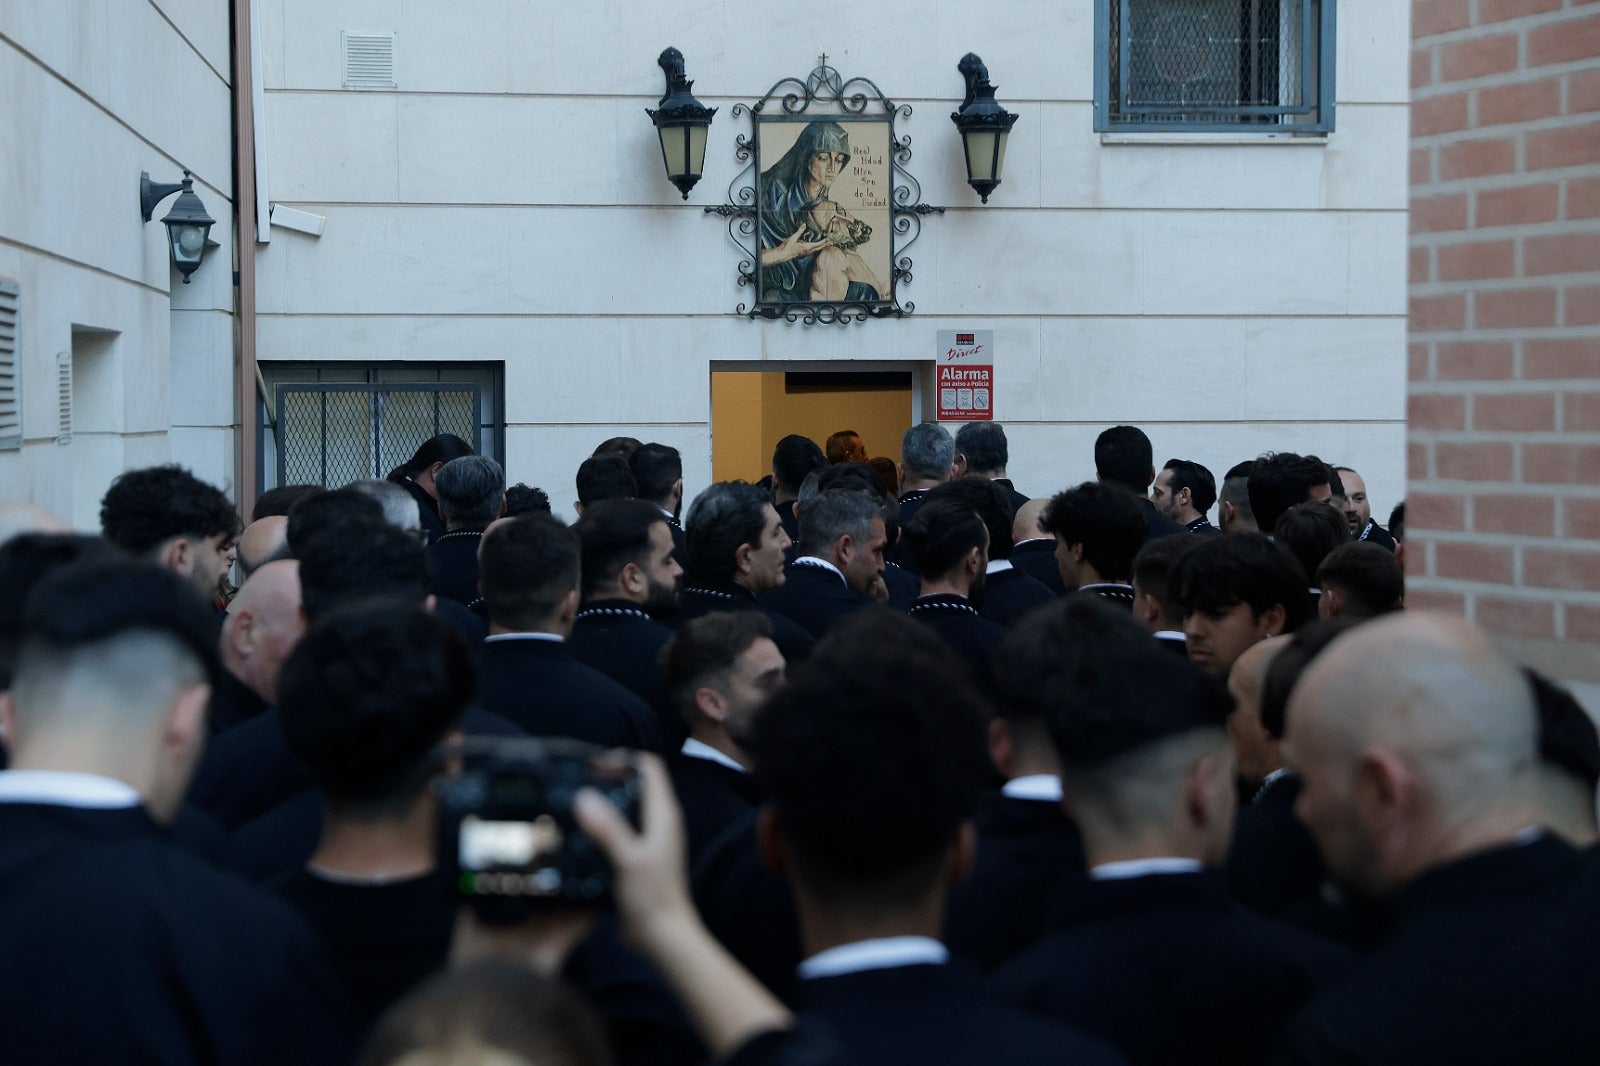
(472, 493)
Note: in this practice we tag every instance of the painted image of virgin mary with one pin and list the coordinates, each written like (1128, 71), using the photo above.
(803, 257)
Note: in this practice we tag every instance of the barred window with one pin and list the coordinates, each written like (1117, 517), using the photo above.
(1217, 65)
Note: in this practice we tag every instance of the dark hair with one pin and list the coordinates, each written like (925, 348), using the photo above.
(1040, 661)
(1567, 737)
(726, 516)
(1310, 531)
(1157, 564)
(280, 500)
(491, 1005)
(794, 458)
(705, 646)
(471, 490)
(941, 534)
(145, 508)
(1236, 490)
(1243, 568)
(838, 445)
(367, 695)
(27, 559)
(605, 477)
(888, 473)
(313, 515)
(439, 449)
(525, 499)
(1397, 522)
(623, 446)
(1106, 519)
(612, 534)
(1279, 480)
(526, 565)
(1290, 662)
(1188, 474)
(872, 756)
(1123, 456)
(991, 503)
(656, 468)
(984, 445)
(1367, 576)
(362, 560)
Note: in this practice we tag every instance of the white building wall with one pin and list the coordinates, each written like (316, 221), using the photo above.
(91, 93)
(507, 202)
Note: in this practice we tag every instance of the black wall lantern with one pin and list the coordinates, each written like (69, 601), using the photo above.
(188, 225)
(984, 127)
(681, 122)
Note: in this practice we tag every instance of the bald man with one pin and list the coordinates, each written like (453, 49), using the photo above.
(1033, 550)
(264, 540)
(1415, 740)
(264, 624)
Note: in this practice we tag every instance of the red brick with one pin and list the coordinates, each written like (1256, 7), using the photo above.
(1516, 618)
(1580, 412)
(1580, 519)
(1438, 214)
(1521, 102)
(1583, 623)
(1476, 461)
(1420, 169)
(1471, 562)
(1476, 360)
(1419, 265)
(1432, 411)
(1484, 156)
(1533, 516)
(1518, 206)
(1477, 57)
(1429, 17)
(1440, 114)
(1476, 260)
(1561, 568)
(1438, 312)
(1435, 600)
(1565, 357)
(1564, 42)
(1416, 362)
(1525, 412)
(1570, 147)
(1583, 91)
(1583, 198)
(1416, 461)
(1498, 10)
(1560, 464)
(1421, 67)
(1582, 303)
(1567, 253)
(1513, 308)
(1436, 510)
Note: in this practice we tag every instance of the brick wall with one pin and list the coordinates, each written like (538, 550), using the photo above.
(1504, 405)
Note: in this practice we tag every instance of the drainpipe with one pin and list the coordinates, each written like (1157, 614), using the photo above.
(244, 255)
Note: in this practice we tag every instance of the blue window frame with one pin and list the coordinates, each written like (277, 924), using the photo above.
(1229, 66)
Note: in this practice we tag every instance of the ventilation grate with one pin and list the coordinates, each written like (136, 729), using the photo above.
(10, 368)
(368, 60)
(64, 398)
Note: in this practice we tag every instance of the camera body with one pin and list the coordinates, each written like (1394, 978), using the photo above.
(507, 836)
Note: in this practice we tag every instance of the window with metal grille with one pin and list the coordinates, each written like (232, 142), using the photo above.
(10, 367)
(1234, 66)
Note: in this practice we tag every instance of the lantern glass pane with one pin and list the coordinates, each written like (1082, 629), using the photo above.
(674, 149)
(980, 155)
(1000, 159)
(697, 149)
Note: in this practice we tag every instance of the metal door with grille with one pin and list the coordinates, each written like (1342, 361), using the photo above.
(336, 433)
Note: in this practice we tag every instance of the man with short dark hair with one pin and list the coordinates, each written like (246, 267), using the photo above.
(1184, 491)
(1358, 510)
(981, 451)
(528, 574)
(1235, 591)
(845, 447)
(792, 460)
(177, 962)
(1310, 531)
(1099, 528)
(1279, 480)
(1006, 593)
(658, 474)
(951, 546)
(316, 514)
(526, 499)
(280, 501)
(604, 477)
(736, 546)
(169, 517)
(1233, 501)
(1154, 604)
(472, 493)
(842, 539)
(1123, 456)
(618, 446)
(1359, 580)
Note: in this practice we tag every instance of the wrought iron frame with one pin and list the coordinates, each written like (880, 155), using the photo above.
(852, 99)
(375, 391)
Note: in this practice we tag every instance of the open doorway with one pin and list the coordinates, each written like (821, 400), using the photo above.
(752, 410)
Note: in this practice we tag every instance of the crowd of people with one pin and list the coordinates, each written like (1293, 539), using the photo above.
(1153, 769)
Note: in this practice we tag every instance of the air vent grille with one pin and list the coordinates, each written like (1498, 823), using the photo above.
(10, 368)
(368, 60)
(64, 398)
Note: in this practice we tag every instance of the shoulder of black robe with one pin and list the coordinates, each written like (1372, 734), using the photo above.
(814, 598)
(1037, 558)
(427, 509)
(385, 939)
(120, 947)
(455, 565)
(790, 521)
(247, 771)
(1273, 862)
(900, 554)
(713, 797)
(278, 843)
(198, 832)
(680, 542)
(1157, 525)
(904, 586)
(643, 1019)
(1373, 533)
(914, 1015)
(805, 1043)
(232, 703)
(1009, 594)
(1491, 959)
(749, 908)
(1121, 595)
(967, 633)
(1015, 498)
(472, 626)
(541, 687)
(698, 601)
(1202, 527)
(1027, 850)
(1154, 965)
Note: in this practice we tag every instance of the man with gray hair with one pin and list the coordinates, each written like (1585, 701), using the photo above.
(399, 509)
(927, 459)
(1415, 739)
(842, 538)
(472, 493)
(981, 451)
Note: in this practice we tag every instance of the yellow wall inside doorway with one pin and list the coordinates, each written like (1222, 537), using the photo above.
(752, 411)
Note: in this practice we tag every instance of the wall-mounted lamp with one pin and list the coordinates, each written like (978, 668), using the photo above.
(984, 127)
(681, 122)
(187, 223)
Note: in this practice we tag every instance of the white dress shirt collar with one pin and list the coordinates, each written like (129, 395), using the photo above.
(62, 788)
(812, 560)
(1046, 787)
(1121, 871)
(998, 566)
(1175, 635)
(699, 749)
(557, 637)
(881, 954)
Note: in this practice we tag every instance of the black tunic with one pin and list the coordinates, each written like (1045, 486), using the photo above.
(1009, 594)
(713, 798)
(1037, 559)
(814, 597)
(427, 509)
(540, 686)
(1202, 527)
(968, 634)
(1273, 862)
(617, 638)
(455, 564)
(698, 600)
